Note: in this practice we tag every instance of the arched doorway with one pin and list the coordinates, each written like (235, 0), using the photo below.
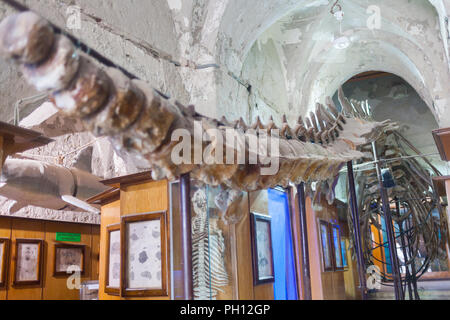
(409, 158)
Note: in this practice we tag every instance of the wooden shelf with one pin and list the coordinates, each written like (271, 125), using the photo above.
(442, 140)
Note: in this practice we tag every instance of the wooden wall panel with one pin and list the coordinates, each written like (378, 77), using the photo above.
(5, 232)
(55, 287)
(28, 230)
(95, 252)
(330, 285)
(297, 241)
(147, 197)
(315, 254)
(339, 285)
(110, 214)
(244, 255)
(259, 203)
(349, 276)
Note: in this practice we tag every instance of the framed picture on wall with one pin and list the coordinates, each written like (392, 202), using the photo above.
(144, 255)
(28, 262)
(337, 250)
(263, 269)
(344, 253)
(68, 258)
(4, 251)
(325, 241)
(112, 270)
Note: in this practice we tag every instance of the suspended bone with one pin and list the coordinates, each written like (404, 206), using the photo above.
(310, 131)
(300, 131)
(345, 103)
(87, 93)
(324, 137)
(26, 38)
(271, 126)
(226, 122)
(359, 110)
(314, 121)
(58, 70)
(333, 133)
(332, 107)
(258, 124)
(308, 123)
(286, 130)
(126, 102)
(240, 125)
(324, 114)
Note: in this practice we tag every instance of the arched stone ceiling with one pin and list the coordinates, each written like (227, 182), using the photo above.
(409, 43)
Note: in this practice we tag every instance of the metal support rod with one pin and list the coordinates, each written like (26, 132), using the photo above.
(186, 235)
(389, 230)
(357, 232)
(405, 253)
(306, 273)
(413, 265)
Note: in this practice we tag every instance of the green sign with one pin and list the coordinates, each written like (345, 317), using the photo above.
(63, 236)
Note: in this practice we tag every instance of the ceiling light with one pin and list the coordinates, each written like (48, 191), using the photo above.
(341, 43)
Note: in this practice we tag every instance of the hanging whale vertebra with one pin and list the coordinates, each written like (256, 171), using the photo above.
(141, 121)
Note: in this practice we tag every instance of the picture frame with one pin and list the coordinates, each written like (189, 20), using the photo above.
(112, 266)
(4, 254)
(337, 247)
(326, 245)
(262, 252)
(344, 253)
(28, 262)
(144, 255)
(66, 255)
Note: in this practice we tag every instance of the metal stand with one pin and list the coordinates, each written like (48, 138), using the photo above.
(186, 233)
(389, 230)
(306, 273)
(357, 232)
(405, 253)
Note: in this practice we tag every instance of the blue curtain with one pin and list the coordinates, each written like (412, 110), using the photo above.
(285, 286)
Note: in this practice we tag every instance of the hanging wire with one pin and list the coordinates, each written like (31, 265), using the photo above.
(59, 158)
(385, 161)
(27, 101)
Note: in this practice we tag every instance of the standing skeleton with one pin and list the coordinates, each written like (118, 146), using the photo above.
(208, 248)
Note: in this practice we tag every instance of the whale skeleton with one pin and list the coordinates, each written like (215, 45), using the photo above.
(141, 121)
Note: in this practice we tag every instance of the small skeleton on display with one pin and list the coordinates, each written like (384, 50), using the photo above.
(209, 274)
